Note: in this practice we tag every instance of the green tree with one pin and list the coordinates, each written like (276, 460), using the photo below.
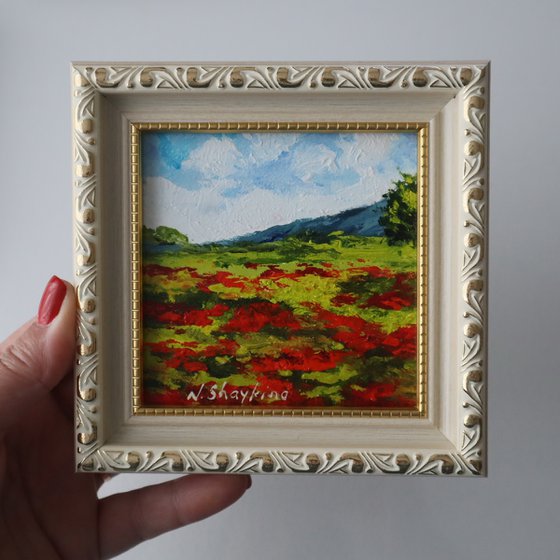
(168, 236)
(399, 218)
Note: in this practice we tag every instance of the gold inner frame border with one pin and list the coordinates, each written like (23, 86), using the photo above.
(136, 130)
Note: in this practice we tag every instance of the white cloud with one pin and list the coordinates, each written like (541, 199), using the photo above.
(217, 157)
(361, 151)
(267, 147)
(310, 160)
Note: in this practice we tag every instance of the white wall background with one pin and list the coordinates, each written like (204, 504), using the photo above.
(515, 512)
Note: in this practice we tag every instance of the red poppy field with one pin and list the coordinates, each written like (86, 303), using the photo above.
(292, 324)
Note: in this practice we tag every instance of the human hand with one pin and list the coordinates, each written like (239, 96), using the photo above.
(46, 510)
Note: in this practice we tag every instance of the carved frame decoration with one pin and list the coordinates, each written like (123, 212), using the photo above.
(101, 445)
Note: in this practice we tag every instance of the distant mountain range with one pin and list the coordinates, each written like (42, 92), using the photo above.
(362, 221)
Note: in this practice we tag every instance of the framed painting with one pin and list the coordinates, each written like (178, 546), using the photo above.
(281, 268)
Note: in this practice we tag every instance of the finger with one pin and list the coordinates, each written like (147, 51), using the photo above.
(130, 518)
(64, 394)
(14, 336)
(36, 357)
(101, 479)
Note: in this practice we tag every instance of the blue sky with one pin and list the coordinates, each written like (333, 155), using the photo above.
(215, 186)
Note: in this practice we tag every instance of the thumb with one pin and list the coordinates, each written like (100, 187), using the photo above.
(35, 358)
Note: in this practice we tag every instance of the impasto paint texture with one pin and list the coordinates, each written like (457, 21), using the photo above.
(279, 269)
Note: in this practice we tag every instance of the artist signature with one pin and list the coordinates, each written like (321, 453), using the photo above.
(243, 395)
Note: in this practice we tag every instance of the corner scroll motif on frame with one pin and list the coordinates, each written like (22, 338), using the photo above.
(469, 84)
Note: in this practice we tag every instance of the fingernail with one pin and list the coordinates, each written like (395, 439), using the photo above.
(52, 299)
(249, 483)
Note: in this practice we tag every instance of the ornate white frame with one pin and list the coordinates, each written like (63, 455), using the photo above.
(451, 97)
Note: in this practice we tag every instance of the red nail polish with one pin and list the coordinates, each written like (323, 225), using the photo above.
(52, 299)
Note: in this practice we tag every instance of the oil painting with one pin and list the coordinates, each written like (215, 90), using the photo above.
(280, 270)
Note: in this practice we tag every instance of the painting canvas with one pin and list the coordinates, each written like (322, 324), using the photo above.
(279, 270)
